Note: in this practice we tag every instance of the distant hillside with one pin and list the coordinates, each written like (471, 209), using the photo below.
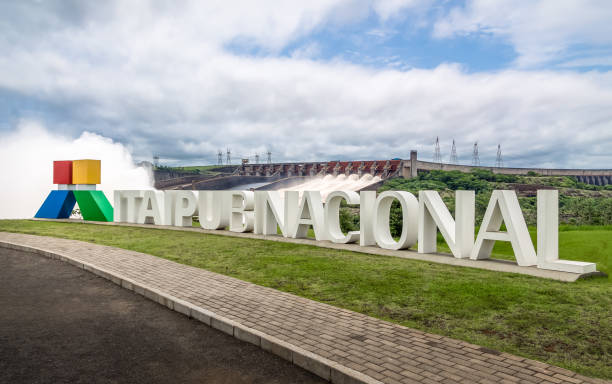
(178, 177)
(211, 170)
(579, 203)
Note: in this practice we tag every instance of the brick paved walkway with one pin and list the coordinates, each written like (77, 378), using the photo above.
(337, 344)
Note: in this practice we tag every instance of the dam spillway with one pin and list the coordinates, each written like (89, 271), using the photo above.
(329, 183)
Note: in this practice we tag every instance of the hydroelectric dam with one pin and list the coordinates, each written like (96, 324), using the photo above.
(337, 175)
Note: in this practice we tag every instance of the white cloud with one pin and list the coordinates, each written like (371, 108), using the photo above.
(540, 31)
(600, 61)
(389, 8)
(307, 51)
(163, 83)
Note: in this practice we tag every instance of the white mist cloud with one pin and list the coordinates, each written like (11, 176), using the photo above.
(27, 166)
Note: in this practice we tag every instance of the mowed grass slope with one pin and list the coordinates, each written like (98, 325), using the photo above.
(565, 324)
(589, 243)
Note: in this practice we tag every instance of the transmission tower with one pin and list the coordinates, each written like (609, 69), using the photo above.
(269, 157)
(257, 158)
(228, 159)
(156, 161)
(499, 162)
(475, 158)
(220, 157)
(453, 156)
(437, 156)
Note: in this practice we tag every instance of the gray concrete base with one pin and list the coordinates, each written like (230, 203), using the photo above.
(441, 258)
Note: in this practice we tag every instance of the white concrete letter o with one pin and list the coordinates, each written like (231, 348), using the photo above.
(382, 210)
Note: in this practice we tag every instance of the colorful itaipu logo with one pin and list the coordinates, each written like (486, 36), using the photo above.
(76, 183)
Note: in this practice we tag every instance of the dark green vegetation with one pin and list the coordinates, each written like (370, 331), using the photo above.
(579, 203)
(203, 170)
(565, 324)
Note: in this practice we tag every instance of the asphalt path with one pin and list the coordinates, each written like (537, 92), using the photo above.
(60, 324)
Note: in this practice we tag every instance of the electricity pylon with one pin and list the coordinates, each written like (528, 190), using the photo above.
(475, 157)
(499, 162)
(437, 157)
(453, 155)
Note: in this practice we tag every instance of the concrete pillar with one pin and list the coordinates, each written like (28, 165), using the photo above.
(413, 164)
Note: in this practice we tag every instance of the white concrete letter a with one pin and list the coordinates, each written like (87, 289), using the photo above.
(504, 208)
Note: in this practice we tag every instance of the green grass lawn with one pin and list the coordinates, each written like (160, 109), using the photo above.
(590, 243)
(565, 324)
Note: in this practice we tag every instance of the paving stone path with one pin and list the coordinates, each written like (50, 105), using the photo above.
(339, 345)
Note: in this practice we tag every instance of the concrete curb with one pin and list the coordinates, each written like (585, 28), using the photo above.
(318, 365)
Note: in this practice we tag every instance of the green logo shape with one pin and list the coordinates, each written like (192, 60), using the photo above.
(94, 206)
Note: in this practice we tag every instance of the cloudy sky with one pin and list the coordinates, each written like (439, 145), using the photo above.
(316, 80)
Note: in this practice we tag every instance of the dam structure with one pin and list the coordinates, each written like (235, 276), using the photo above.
(381, 168)
(411, 168)
(349, 175)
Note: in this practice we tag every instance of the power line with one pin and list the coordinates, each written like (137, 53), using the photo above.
(475, 157)
(453, 155)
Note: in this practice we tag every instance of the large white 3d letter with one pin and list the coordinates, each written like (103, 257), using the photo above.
(504, 207)
(548, 236)
(382, 210)
(367, 205)
(332, 216)
(149, 212)
(127, 205)
(433, 214)
(169, 207)
(186, 205)
(213, 209)
(309, 213)
(271, 212)
(241, 219)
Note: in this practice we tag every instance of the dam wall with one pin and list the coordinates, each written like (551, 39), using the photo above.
(278, 176)
(410, 168)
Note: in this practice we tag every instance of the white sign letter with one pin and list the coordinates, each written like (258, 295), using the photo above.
(433, 214)
(149, 212)
(548, 236)
(127, 205)
(504, 207)
(410, 211)
(213, 209)
(241, 219)
(272, 212)
(367, 204)
(186, 205)
(332, 216)
(309, 213)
